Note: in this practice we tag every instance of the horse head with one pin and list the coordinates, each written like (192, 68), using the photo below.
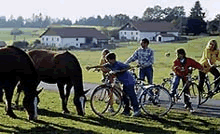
(79, 101)
(30, 103)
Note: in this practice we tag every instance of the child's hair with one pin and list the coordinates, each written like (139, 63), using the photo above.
(110, 56)
(105, 51)
(181, 51)
(145, 40)
(215, 43)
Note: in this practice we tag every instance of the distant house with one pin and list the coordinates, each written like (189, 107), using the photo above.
(73, 37)
(155, 31)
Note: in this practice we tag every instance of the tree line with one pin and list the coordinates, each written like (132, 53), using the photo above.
(194, 23)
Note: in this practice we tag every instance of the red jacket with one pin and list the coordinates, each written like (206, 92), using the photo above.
(182, 70)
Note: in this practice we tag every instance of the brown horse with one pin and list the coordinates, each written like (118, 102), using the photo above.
(62, 69)
(16, 65)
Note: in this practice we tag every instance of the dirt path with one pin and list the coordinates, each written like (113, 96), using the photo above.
(211, 108)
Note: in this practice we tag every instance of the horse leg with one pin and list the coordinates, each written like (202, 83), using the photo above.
(19, 89)
(62, 96)
(9, 93)
(68, 90)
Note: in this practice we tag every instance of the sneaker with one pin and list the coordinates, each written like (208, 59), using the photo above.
(190, 108)
(137, 113)
(125, 113)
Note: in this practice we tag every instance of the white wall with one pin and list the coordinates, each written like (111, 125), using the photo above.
(148, 35)
(51, 40)
(66, 42)
(163, 39)
(131, 35)
(62, 42)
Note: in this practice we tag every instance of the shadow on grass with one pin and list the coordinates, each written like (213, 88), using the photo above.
(179, 120)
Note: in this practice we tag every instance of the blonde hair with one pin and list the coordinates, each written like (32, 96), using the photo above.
(215, 43)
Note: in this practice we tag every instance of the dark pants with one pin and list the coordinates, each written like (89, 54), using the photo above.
(129, 90)
(175, 84)
(146, 72)
(202, 75)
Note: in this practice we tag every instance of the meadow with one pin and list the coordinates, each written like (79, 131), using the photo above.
(51, 120)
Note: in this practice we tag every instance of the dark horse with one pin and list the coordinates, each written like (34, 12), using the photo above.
(16, 65)
(62, 69)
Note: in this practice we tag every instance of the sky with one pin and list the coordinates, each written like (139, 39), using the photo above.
(76, 9)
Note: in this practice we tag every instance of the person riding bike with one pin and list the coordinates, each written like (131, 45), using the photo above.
(180, 68)
(208, 60)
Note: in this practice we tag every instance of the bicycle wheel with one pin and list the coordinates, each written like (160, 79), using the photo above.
(194, 95)
(158, 102)
(105, 103)
(167, 84)
(203, 96)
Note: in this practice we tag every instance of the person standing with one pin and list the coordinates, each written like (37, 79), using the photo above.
(208, 61)
(145, 57)
(120, 70)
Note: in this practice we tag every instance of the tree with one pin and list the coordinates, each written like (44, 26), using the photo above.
(196, 11)
(120, 19)
(16, 32)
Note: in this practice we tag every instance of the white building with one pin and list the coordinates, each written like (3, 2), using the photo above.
(72, 37)
(155, 31)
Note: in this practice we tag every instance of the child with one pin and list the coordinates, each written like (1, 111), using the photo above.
(120, 69)
(180, 68)
(103, 61)
(210, 55)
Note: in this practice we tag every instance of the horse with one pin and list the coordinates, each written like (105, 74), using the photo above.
(61, 69)
(16, 65)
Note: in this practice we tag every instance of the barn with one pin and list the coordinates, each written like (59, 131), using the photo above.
(77, 37)
(154, 31)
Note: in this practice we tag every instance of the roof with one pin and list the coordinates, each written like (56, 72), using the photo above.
(70, 32)
(151, 26)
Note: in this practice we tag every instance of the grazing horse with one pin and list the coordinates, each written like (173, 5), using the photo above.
(16, 65)
(62, 69)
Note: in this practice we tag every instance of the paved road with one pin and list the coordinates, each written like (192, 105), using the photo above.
(211, 108)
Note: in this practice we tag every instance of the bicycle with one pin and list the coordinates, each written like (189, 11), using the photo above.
(153, 99)
(209, 90)
(190, 84)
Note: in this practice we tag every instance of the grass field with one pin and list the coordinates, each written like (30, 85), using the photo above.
(51, 120)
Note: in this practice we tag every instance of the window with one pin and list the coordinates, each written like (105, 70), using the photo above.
(125, 33)
(42, 39)
(57, 39)
(131, 33)
(76, 39)
(46, 39)
(136, 33)
(52, 39)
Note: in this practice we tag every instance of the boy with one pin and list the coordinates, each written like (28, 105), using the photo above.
(180, 68)
(120, 69)
(145, 57)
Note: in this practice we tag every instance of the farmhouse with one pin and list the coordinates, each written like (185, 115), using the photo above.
(77, 37)
(154, 31)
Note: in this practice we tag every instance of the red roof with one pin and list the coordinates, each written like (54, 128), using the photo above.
(70, 32)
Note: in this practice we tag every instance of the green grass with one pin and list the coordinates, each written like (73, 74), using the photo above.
(51, 120)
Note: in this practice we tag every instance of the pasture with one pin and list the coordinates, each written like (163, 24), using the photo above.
(51, 120)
